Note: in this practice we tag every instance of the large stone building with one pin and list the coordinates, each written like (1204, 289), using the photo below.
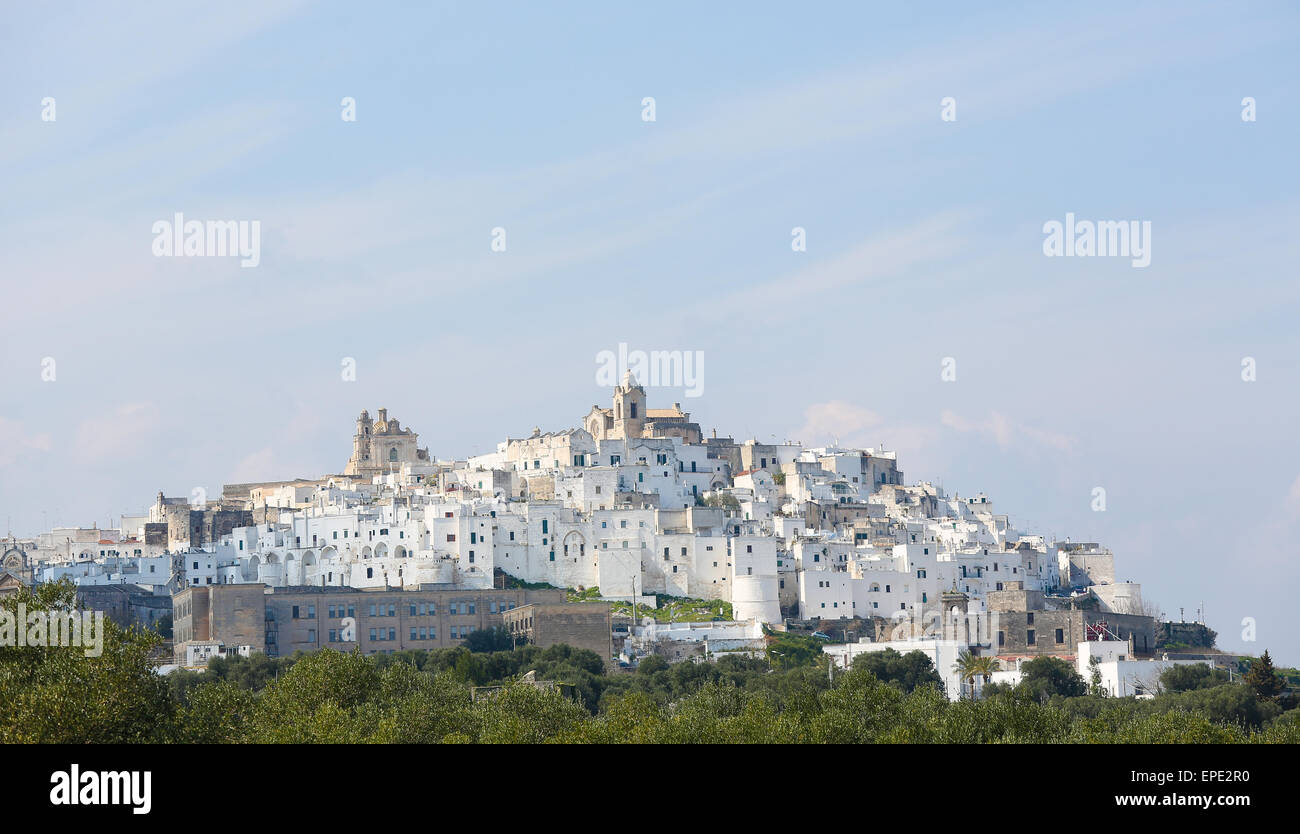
(582, 625)
(16, 560)
(382, 446)
(285, 620)
(177, 524)
(629, 418)
(234, 615)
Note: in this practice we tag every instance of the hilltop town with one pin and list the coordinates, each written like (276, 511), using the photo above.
(631, 535)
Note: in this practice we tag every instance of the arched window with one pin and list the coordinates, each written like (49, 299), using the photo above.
(633, 411)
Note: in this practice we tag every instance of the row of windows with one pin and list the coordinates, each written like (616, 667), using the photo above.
(1031, 637)
(414, 609)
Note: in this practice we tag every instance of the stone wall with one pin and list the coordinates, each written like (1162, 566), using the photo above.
(585, 625)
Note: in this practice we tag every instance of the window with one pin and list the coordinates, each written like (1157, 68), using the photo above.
(1060, 635)
(1029, 637)
(1030, 618)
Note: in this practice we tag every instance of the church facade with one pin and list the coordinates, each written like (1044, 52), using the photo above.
(382, 446)
(629, 419)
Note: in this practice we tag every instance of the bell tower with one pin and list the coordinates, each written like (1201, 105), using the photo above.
(360, 445)
(629, 408)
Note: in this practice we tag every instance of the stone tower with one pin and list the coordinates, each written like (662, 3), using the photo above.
(629, 408)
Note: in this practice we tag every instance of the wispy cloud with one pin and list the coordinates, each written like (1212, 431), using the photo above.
(1008, 433)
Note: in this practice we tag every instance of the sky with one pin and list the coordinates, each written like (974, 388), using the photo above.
(924, 243)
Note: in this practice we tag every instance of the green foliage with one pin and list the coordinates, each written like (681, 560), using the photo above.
(495, 639)
(678, 609)
(57, 694)
(1262, 678)
(904, 671)
(725, 500)
(970, 668)
(789, 651)
(1184, 678)
(1046, 676)
(318, 701)
(424, 697)
(216, 712)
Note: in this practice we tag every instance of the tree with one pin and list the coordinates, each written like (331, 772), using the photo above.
(318, 701)
(1185, 678)
(59, 695)
(725, 500)
(651, 664)
(495, 639)
(905, 671)
(1043, 677)
(969, 667)
(1094, 677)
(1262, 678)
(216, 712)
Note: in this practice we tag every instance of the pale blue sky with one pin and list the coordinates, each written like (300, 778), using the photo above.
(924, 241)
